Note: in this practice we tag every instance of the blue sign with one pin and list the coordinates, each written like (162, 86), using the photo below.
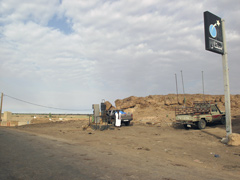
(213, 33)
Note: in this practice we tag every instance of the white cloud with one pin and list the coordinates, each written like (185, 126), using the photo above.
(38, 10)
(114, 49)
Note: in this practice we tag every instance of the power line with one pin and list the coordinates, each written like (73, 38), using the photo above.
(49, 107)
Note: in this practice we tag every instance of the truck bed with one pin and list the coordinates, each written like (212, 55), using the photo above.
(198, 108)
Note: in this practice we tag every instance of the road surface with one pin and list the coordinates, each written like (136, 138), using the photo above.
(25, 155)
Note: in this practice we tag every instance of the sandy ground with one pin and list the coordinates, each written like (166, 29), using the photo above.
(153, 146)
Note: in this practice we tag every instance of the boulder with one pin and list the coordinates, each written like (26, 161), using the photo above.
(168, 102)
(108, 105)
(126, 103)
(234, 139)
(171, 100)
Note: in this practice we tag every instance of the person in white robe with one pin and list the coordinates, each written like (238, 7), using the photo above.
(118, 119)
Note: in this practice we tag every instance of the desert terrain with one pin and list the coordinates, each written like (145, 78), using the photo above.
(153, 146)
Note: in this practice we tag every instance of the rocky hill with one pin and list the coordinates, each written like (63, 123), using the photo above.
(161, 108)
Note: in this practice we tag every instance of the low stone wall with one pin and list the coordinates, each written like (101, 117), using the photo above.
(9, 123)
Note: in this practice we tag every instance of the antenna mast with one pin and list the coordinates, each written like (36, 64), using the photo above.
(183, 89)
(176, 87)
(203, 86)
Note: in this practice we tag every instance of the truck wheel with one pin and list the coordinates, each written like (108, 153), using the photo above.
(223, 120)
(186, 127)
(127, 123)
(201, 124)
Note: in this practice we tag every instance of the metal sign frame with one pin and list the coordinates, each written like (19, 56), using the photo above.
(213, 33)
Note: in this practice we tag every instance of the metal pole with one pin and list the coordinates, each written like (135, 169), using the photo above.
(183, 88)
(89, 120)
(1, 107)
(203, 86)
(226, 83)
(176, 87)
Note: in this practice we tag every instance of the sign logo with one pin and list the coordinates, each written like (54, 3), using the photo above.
(213, 30)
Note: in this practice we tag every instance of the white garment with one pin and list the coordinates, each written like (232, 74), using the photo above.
(118, 120)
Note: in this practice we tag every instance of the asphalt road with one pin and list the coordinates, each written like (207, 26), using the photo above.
(26, 156)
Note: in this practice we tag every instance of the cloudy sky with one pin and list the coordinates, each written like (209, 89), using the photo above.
(71, 54)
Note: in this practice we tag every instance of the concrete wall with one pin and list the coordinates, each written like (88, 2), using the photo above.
(9, 123)
(7, 116)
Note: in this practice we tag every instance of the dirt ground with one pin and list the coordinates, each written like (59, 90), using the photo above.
(150, 144)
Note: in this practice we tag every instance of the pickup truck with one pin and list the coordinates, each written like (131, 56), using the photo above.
(126, 118)
(199, 115)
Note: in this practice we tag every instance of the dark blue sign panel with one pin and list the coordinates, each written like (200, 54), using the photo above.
(213, 33)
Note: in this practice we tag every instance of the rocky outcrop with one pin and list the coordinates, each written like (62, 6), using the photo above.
(160, 106)
(173, 100)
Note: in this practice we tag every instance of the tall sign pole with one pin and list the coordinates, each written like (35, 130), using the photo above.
(215, 41)
(226, 83)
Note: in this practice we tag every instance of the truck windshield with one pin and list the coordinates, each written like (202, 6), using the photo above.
(219, 110)
(214, 109)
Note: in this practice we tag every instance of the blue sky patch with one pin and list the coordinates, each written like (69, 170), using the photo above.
(61, 24)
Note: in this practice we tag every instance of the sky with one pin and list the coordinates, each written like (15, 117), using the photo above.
(70, 54)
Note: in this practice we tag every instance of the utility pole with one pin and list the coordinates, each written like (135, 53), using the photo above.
(1, 107)
(226, 83)
(176, 87)
(183, 89)
(203, 86)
